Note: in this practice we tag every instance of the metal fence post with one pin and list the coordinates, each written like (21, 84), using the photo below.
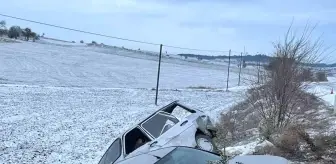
(240, 67)
(228, 75)
(335, 105)
(158, 76)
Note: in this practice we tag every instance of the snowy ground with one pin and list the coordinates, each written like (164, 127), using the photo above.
(51, 65)
(76, 125)
(66, 104)
(324, 90)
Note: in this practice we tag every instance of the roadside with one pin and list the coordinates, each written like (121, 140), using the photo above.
(288, 111)
(311, 139)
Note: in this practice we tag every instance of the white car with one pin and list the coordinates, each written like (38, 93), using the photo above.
(186, 155)
(172, 125)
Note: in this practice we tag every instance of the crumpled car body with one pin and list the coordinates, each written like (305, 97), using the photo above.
(172, 125)
(172, 155)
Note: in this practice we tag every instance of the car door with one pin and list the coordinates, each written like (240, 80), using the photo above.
(113, 153)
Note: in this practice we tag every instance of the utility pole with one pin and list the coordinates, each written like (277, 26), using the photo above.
(228, 75)
(158, 76)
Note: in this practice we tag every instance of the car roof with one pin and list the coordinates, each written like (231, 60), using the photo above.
(168, 109)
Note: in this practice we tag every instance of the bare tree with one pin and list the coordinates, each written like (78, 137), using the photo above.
(27, 32)
(3, 24)
(3, 28)
(280, 95)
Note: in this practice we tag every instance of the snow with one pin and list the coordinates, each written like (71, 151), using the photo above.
(323, 90)
(242, 149)
(59, 42)
(330, 99)
(76, 125)
(66, 104)
(258, 159)
(50, 65)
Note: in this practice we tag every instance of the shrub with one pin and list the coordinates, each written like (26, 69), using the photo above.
(27, 33)
(296, 144)
(321, 76)
(244, 64)
(236, 125)
(281, 95)
(3, 32)
(307, 75)
(14, 32)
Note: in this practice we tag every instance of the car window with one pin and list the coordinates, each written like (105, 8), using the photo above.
(180, 113)
(167, 126)
(182, 155)
(134, 139)
(172, 118)
(156, 124)
(112, 153)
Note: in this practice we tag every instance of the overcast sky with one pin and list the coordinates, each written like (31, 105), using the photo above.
(202, 24)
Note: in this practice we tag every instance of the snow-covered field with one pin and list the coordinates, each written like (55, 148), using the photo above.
(325, 90)
(51, 65)
(76, 125)
(66, 104)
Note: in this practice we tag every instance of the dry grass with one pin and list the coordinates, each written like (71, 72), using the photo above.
(237, 125)
(242, 123)
(297, 145)
(321, 76)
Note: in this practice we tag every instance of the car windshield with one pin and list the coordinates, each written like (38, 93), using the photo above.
(159, 123)
(183, 155)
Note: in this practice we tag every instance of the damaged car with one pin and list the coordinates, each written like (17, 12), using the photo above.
(173, 125)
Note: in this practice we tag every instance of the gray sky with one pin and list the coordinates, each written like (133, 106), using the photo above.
(202, 24)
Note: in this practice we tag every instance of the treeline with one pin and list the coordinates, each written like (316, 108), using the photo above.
(249, 58)
(16, 32)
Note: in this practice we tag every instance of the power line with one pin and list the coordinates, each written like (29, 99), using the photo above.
(71, 29)
(108, 36)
